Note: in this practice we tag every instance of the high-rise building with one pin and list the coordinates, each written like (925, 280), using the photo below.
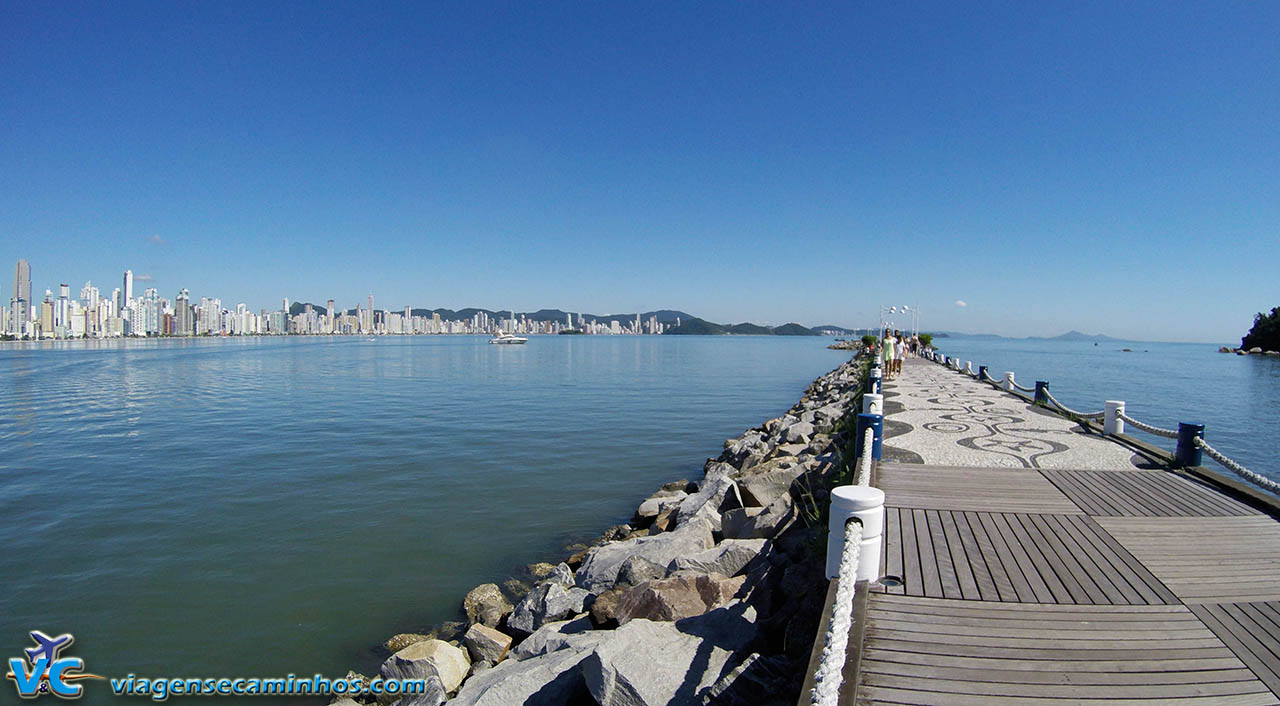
(62, 308)
(46, 315)
(127, 290)
(183, 321)
(20, 304)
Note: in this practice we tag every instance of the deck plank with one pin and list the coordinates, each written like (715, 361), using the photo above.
(1143, 494)
(949, 651)
(1184, 553)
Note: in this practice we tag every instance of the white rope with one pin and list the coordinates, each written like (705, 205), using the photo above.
(864, 463)
(1068, 410)
(1235, 467)
(827, 680)
(1167, 433)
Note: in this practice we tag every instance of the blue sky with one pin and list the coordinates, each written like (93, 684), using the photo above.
(1110, 167)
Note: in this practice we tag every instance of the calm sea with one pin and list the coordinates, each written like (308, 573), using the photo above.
(1237, 398)
(265, 506)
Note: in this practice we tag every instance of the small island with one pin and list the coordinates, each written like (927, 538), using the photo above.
(1263, 338)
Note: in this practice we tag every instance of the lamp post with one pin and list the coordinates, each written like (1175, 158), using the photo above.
(913, 312)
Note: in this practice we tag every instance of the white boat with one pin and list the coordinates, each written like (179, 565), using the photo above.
(507, 338)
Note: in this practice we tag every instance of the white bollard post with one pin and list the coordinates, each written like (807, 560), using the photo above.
(968, 366)
(1008, 381)
(1111, 421)
(866, 504)
(873, 404)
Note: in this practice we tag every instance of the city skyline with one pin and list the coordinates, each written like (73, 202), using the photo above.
(121, 314)
(1013, 169)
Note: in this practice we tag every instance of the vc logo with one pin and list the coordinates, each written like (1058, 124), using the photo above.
(45, 671)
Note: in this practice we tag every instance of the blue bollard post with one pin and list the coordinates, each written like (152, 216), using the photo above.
(1187, 453)
(873, 385)
(982, 372)
(875, 422)
(1041, 386)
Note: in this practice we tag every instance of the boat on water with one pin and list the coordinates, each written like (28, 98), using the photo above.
(506, 338)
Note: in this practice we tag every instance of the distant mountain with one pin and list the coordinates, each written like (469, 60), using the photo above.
(750, 330)
(1077, 336)
(701, 327)
(298, 307)
(1068, 336)
(794, 329)
(694, 326)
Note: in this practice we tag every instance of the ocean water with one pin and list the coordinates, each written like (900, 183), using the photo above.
(1237, 398)
(266, 506)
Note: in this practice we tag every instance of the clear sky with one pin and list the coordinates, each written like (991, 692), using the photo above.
(1021, 168)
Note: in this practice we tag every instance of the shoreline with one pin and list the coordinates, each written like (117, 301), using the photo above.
(714, 589)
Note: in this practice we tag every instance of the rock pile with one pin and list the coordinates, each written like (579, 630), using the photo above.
(711, 595)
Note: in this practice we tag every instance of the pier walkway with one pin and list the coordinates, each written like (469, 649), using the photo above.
(1042, 563)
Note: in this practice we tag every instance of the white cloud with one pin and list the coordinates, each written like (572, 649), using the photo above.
(142, 278)
(156, 240)
(961, 303)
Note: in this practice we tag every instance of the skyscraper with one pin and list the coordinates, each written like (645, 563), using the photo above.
(20, 305)
(127, 292)
(183, 321)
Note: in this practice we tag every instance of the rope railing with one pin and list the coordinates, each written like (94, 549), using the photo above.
(1141, 426)
(864, 463)
(1234, 467)
(1024, 389)
(1068, 410)
(827, 679)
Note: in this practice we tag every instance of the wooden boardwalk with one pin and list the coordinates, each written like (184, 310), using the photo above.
(1048, 584)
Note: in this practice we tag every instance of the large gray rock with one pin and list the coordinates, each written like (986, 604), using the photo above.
(659, 503)
(551, 679)
(677, 597)
(646, 663)
(706, 502)
(749, 444)
(433, 694)
(776, 463)
(786, 451)
(486, 644)
(485, 604)
(756, 523)
(727, 558)
(829, 414)
(761, 489)
(548, 601)
(562, 575)
(574, 634)
(600, 569)
(638, 569)
(426, 659)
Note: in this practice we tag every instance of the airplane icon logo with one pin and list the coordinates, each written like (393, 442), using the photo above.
(48, 647)
(45, 670)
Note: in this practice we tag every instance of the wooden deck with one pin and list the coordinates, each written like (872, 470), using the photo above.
(1040, 586)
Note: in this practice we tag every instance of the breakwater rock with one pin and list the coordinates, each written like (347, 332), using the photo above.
(712, 594)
